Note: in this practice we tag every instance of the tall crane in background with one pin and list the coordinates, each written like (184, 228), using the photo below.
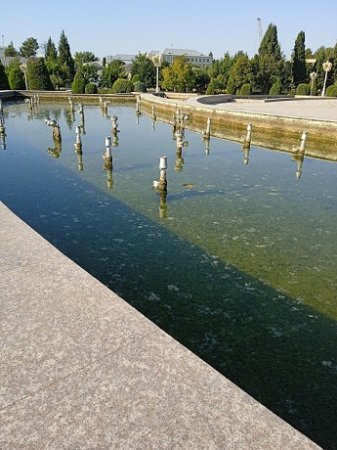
(259, 30)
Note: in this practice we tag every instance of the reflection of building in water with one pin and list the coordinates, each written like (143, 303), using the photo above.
(299, 158)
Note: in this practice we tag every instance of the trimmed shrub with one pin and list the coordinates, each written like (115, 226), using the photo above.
(78, 85)
(38, 76)
(331, 91)
(303, 89)
(91, 88)
(139, 86)
(245, 89)
(276, 88)
(135, 78)
(122, 86)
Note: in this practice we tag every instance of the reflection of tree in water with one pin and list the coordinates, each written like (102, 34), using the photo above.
(55, 151)
(69, 117)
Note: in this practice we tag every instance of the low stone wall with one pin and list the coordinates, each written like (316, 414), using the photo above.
(270, 131)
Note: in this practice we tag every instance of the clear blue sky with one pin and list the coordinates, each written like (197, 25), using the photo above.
(116, 26)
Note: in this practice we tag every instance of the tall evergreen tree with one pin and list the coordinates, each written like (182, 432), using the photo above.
(269, 45)
(65, 59)
(29, 47)
(267, 64)
(10, 50)
(144, 67)
(240, 74)
(50, 51)
(38, 76)
(3, 78)
(299, 70)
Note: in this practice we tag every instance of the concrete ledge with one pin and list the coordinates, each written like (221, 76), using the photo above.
(80, 368)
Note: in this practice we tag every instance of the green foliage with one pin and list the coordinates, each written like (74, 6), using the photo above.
(201, 79)
(276, 88)
(303, 89)
(50, 51)
(240, 74)
(15, 75)
(135, 78)
(216, 86)
(123, 86)
(78, 84)
(245, 89)
(83, 58)
(299, 70)
(3, 78)
(10, 50)
(331, 91)
(91, 88)
(269, 45)
(139, 86)
(221, 67)
(65, 59)
(178, 77)
(29, 47)
(38, 76)
(144, 67)
(114, 70)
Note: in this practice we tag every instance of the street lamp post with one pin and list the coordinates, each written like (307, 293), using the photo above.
(157, 60)
(313, 76)
(326, 67)
(23, 68)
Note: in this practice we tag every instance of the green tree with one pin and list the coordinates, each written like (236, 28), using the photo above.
(3, 78)
(241, 73)
(78, 84)
(299, 69)
(29, 47)
(267, 64)
(321, 56)
(216, 85)
(82, 58)
(201, 79)
(50, 51)
(15, 75)
(334, 64)
(144, 67)
(37, 75)
(114, 70)
(178, 77)
(222, 67)
(10, 50)
(65, 59)
(269, 45)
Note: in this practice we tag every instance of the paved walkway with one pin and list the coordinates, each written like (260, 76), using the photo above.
(316, 108)
(81, 369)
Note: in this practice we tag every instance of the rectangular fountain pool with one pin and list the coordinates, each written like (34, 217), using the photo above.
(238, 260)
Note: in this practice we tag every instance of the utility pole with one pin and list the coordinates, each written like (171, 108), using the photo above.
(259, 30)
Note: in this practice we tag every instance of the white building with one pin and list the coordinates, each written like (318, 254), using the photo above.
(194, 57)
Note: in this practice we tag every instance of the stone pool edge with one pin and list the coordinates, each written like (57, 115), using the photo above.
(82, 368)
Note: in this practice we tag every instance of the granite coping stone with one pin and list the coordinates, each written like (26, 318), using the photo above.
(82, 369)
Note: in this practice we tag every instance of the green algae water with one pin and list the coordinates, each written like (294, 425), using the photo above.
(238, 261)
